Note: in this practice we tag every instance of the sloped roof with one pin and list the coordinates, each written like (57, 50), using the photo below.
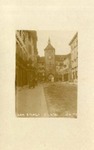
(60, 57)
(73, 38)
(49, 46)
(57, 57)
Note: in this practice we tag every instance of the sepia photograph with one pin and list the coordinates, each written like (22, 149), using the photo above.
(46, 73)
(47, 86)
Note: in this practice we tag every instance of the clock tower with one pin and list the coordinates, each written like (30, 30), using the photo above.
(49, 61)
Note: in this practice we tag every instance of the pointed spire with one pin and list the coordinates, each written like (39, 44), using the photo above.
(49, 42)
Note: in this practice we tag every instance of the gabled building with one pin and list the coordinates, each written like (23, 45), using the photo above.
(59, 66)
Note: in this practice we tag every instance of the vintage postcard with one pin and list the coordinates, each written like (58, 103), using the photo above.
(46, 73)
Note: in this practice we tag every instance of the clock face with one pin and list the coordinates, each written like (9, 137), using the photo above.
(50, 57)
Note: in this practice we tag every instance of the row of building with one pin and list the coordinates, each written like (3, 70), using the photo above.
(70, 69)
(26, 55)
(60, 67)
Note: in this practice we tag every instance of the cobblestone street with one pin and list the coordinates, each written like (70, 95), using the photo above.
(46, 77)
(61, 99)
(47, 100)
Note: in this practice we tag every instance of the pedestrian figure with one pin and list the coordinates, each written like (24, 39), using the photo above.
(33, 82)
(36, 81)
(30, 84)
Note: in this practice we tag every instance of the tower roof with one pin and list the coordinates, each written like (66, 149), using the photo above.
(49, 46)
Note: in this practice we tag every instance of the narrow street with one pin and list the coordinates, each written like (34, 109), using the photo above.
(47, 100)
(40, 60)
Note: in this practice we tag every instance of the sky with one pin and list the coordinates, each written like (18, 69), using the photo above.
(59, 39)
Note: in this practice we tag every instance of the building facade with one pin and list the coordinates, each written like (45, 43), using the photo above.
(50, 67)
(66, 72)
(74, 57)
(26, 56)
(59, 66)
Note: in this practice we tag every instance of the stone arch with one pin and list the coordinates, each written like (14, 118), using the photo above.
(51, 77)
